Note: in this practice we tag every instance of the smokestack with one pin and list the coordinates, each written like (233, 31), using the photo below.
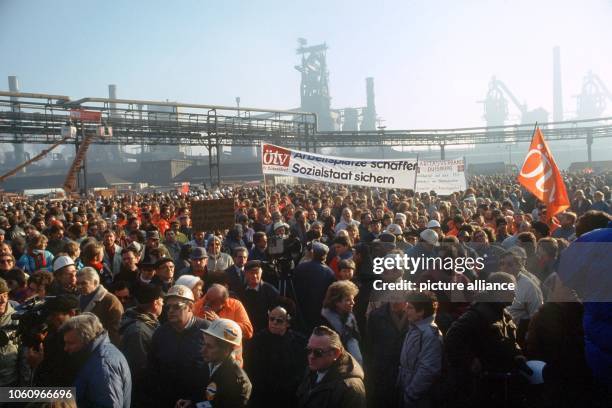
(19, 151)
(112, 94)
(369, 113)
(557, 91)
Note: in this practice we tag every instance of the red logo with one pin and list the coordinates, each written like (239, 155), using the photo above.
(275, 156)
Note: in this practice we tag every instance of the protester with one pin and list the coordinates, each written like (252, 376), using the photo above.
(176, 369)
(334, 378)
(53, 366)
(103, 379)
(136, 330)
(421, 356)
(275, 361)
(100, 302)
(8, 350)
(338, 314)
(225, 384)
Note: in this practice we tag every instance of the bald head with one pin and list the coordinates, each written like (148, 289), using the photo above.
(216, 296)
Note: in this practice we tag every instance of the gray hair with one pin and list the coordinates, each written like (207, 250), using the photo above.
(240, 249)
(89, 274)
(87, 326)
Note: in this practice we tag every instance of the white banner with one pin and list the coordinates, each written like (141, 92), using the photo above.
(329, 169)
(442, 176)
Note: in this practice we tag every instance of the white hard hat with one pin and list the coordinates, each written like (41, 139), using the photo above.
(61, 262)
(226, 330)
(433, 224)
(279, 224)
(188, 280)
(181, 292)
(394, 229)
(430, 236)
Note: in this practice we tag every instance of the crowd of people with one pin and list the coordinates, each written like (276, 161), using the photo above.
(280, 310)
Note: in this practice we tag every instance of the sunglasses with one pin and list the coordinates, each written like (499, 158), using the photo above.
(317, 353)
(277, 320)
(176, 306)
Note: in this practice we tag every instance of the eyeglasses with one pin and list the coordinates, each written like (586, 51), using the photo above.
(5, 261)
(176, 306)
(277, 320)
(317, 353)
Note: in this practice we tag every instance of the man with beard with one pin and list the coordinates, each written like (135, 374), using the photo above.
(53, 365)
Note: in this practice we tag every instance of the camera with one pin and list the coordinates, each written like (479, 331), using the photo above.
(29, 324)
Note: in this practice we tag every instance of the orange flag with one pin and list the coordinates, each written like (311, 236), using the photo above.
(540, 175)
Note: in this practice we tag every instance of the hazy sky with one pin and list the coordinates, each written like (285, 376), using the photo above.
(431, 59)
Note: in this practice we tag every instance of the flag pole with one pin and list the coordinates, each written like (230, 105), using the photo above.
(264, 177)
(416, 174)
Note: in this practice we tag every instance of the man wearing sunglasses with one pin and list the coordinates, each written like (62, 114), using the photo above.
(335, 378)
(176, 367)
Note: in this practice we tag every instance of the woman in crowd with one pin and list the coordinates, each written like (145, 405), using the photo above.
(338, 314)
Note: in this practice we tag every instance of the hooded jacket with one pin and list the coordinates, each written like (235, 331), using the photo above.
(341, 387)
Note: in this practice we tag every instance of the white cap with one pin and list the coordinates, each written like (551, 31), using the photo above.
(394, 229)
(188, 280)
(226, 330)
(433, 224)
(430, 236)
(400, 216)
(180, 291)
(61, 262)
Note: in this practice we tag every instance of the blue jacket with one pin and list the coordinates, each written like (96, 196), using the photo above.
(31, 264)
(585, 267)
(104, 380)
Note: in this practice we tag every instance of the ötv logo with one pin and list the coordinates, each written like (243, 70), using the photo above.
(276, 156)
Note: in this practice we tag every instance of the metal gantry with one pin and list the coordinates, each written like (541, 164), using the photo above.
(40, 118)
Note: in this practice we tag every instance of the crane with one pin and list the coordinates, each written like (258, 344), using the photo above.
(36, 158)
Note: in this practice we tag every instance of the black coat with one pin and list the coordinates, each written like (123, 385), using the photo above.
(275, 365)
(257, 303)
(176, 369)
(136, 332)
(58, 368)
(384, 342)
(341, 387)
(484, 333)
(228, 387)
(311, 280)
(234, 279)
